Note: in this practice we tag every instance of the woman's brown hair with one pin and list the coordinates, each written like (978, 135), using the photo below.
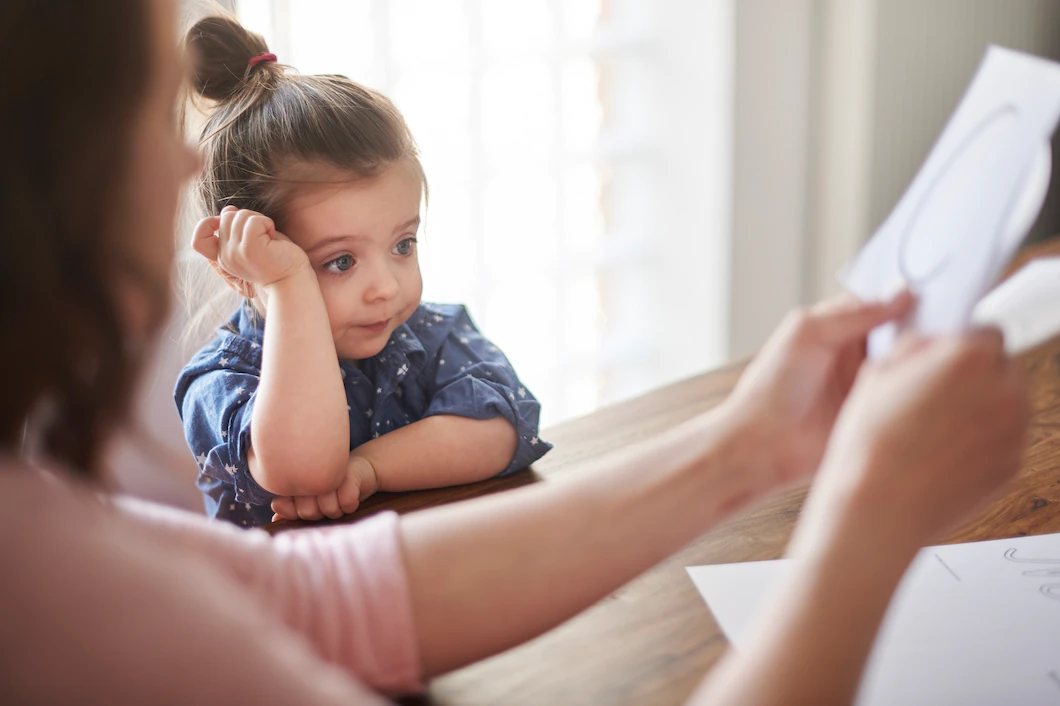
(75, 74)
(270, 129)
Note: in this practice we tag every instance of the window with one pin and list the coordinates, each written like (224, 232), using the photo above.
(551, 211)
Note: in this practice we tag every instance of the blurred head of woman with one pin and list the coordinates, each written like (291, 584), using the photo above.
(91, 172)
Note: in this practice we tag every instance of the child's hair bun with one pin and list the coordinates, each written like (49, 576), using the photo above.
(220, 51)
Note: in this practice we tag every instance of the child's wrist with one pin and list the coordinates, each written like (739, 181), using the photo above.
(369, 478)
(297, 277)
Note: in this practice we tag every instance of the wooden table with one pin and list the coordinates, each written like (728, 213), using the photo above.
(652, 641)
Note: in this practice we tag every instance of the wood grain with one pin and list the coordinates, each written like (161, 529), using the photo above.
(651, 641)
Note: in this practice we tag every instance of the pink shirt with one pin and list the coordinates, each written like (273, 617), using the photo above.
(126, 602)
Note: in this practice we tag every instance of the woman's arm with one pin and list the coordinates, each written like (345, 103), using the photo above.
(493, 572)
(490, 573)
(925, 438)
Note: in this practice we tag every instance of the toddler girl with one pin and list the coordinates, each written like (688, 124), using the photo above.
(332, 380)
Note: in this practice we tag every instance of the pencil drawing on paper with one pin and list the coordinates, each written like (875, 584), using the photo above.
(1050, 589)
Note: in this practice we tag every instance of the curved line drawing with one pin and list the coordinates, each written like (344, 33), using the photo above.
(1010, 554)
(1051, 590)
(1043, 572)
(969, 139)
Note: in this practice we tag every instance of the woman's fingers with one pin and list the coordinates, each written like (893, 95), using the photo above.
(844, 320)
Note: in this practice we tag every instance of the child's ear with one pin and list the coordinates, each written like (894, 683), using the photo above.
(243, 287)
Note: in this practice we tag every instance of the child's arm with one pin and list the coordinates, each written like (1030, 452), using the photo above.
(300, 436)
(432, 453)
(439, 451)
(481, 421)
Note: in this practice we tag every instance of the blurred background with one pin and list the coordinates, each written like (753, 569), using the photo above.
(629, 192)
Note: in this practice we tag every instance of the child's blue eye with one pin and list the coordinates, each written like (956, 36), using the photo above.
(339, 264)
(405, 247)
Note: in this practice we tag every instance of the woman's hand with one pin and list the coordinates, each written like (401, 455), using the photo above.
(360, 484)
(246, 249)
(926, 438)
(792, 391)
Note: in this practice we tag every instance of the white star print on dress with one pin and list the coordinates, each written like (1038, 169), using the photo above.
(224, 361)
(230, 469)
(201, 458)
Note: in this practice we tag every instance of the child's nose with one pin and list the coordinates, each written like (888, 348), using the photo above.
(382, 286)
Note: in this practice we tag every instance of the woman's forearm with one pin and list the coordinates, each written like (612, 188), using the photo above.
(493, 572)
(812, 640)
(300, 428)
(439, 451)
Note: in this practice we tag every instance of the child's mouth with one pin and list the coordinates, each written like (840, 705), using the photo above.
(376, 327)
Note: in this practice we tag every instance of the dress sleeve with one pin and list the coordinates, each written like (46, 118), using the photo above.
(474, 379)
(216, 404)
(343, 588)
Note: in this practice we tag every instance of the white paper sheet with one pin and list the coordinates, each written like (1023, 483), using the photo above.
(1026, 307)
(971, 624)
(970, 204)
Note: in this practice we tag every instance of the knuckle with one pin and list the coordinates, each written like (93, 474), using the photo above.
(800, 322)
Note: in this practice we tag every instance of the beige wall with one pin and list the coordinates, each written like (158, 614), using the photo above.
(837, 103)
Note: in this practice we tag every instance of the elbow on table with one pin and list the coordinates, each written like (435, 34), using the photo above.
(289, 475)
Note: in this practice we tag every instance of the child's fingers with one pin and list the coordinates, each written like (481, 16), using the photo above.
(349, 497)
(204, 240)
(224, 230)
(239, 226)
(307, 507)
(284, 507)
(258, 229)
(329, 505)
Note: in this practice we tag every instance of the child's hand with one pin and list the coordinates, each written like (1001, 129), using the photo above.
(246, 249)
(360, 483)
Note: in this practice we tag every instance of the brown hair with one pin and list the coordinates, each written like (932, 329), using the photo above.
(269, 127)
(76, 74)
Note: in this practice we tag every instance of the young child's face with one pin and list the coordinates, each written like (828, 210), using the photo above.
(361, 241)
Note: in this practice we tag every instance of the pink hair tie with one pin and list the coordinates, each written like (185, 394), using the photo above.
(267, 56)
